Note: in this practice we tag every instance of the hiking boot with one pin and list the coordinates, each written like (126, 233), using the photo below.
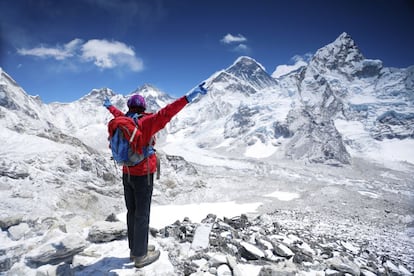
(150, 249)
(151, 257)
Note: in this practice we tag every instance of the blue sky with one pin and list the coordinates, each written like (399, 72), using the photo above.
(61, 50)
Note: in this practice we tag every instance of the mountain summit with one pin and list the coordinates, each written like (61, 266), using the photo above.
(154, 97)
(342, 55)
(249, 70)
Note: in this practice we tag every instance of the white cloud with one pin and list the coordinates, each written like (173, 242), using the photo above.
(110, 54)
(241, 48)
(103, 53)
(238, 39)
(229, 38)
(73, 45)
(58, 53)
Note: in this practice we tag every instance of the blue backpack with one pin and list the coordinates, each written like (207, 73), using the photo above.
(121, 141)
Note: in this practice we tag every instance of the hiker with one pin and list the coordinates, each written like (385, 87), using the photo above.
(138, 180)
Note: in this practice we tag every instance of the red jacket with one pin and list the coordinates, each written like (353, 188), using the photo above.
(150, 125)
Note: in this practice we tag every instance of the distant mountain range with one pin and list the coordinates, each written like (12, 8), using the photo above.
(303, 114)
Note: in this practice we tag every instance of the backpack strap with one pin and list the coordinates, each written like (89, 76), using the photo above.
(135, 117)
(133, 134)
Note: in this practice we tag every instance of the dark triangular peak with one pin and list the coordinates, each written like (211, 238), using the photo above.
(249, 70)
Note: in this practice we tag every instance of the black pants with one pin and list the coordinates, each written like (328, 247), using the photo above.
(138, 193)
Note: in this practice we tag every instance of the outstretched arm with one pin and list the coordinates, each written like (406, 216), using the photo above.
(115, 111)
(155, 122)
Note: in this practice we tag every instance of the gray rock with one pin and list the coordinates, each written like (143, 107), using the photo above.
(333, 272)
(106, 231)
(10, 254)
(250, 251)
(213, 270)
(56, 250)
(49, 223)
(233, 265)
(217, 260)
(224, 270)
(365, 272)
(13, 169)
(18, 231)
(282, 250)
(7, 221)
(394, 269)
(344, 265)
(281, 269)
(112, 218)
(201, 237)
(301, 257)
(7, 260)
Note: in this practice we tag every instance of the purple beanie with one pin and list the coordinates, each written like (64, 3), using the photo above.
(136, 101)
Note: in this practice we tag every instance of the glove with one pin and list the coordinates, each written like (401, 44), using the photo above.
(107, 103)
(196, 91)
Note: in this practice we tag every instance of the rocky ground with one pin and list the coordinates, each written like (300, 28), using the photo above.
(339, 221)
(279, 249)
(263, 245)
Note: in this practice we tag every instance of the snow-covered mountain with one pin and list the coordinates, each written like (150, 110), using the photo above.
(338, 106)
(52, 152)
(42, 164)
(341, 88)
(248, 134)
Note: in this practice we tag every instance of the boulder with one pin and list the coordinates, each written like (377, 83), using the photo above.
(344, 265)
(282, 250)
(250, 251)
(18, 231)
(55, 251)
(7, 221)
(106, 231)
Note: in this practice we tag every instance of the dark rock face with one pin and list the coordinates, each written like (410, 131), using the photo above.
(393, 124)
(247, 69)
(282, 130)
(316, 141)
(240, 122)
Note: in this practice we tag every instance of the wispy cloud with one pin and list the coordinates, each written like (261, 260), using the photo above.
(103, 53)
(59, 52)
(236, 43)
(241, 48)
(229, 38)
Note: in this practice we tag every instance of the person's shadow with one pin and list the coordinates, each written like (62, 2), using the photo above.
(105, 266)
